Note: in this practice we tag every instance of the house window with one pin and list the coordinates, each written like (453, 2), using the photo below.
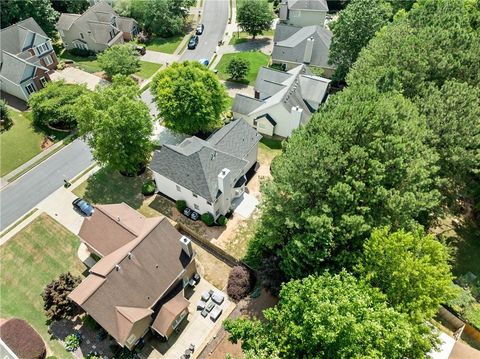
(131, 339)
(30, 88)
(42, 48)
(81, 45)
(194, 195)
(43, 80)
(48, 60)
(179, 319)
(196, 207)
(81, 35)
(178, 188)
(209, 203)
(217, 212)
(112, 34)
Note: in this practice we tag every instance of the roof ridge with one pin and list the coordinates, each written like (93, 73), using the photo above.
(17, 23)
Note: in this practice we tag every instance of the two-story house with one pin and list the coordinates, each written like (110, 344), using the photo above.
(27, 59)
(303, 12)
(209, 175)
(283, 101)
(97, 29)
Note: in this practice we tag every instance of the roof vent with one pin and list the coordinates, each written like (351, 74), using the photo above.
(118, 218)
(117, 267)
(130, 255)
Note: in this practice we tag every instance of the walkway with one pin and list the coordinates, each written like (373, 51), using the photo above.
(159, 57)
(72, 75)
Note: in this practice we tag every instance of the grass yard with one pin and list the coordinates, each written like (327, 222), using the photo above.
(147, 69)
(167, 45)
(30, 260)
(242, 36)
(88, 64)
(20, 143)
(256, 60)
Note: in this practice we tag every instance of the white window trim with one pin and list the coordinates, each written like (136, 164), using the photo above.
(196, 206)
(43, 80)
(33, 86)
(48, 60)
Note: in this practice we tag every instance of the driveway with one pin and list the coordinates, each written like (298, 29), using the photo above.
(159, 57)
(72, 75)
(215, 18)
(19, 197)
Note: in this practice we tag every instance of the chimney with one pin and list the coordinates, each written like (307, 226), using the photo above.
(223, 180)
(296, 114)
(283, 11)
(186, 244)
(307, 57)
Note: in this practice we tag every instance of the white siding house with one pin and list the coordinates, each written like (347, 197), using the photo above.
(303, 12)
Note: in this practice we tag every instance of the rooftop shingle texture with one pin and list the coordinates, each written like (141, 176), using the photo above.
(134, 278)
(66, 20)
(308, 5)
(13, 37)
(245, 104)
(169, 311)
(290, 42)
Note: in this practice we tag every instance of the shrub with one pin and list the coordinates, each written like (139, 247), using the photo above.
(5, 118)
(222, 220)
(208, 219)
(148, 188)
(239, 283)
(119, 60)
(72, 342)
(181, 205)
(81, 52)
(238, 68)
(55, 301)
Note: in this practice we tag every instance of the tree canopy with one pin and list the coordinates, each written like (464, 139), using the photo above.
(118, 125)
(238, 68)
(360, 163)
(190, 98)
(254, 16)
(70, 6)
(331, 316)
(355, 26)
(411, 268)
(119, 60)
(42, 11)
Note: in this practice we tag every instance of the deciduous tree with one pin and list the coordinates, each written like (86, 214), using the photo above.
(238, 68)
(55, 301)
(190, 97)
(70, 6)
(5, 117)
(411, 268)
(119, 60)
(332, 317)
(254, 16)
(118, 126)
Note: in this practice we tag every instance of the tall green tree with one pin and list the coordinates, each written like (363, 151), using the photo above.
(238, 68)
(332, 317)
(355, 26)
(411, 268)
(190, 97)
(119, 60)
(254, 16)
(70, 6)
(42, 11)
(118, 125)
(360, 163)
(5, 117)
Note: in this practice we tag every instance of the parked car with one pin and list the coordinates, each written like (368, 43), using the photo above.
(199, 30)
(83, 206)
(193, 42)
(204, 62)
(194, 216)
(141, 49)
(187, 211)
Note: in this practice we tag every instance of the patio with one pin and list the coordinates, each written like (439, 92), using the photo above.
(195, 329)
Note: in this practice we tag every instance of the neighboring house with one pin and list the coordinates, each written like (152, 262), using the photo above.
(138, 284)
(209, 174)
(283, 100)
(308, 45)
(27, 59)
(97, 29)
(303, 12)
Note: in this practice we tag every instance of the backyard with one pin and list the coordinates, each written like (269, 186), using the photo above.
(256, 59)
(30, 260)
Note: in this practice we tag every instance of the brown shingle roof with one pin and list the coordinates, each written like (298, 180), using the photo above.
(464, 351)
(169, 311)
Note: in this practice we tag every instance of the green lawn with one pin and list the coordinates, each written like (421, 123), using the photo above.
(242, 36)
(147, 69)
(107, 186)
(19, 144)
(88, 64)
(268, 149)
(30, 260)
(167, 45)
(256, 59)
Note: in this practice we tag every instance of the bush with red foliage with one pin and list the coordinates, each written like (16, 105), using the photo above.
(239, 283)
(22, 339)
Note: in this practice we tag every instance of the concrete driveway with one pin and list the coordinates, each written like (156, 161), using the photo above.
(245, 205)
(159, 57)
(59, 206)
(72, 75)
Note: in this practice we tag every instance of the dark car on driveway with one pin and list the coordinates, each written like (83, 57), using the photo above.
(193, 42)
(83, 206)
(141, 50)
(199, 29)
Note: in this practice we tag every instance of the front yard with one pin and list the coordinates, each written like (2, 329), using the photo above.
(256, 60)
(88, 64)
(242, 36)
(30, 260)
(167, 45)
(147, 69)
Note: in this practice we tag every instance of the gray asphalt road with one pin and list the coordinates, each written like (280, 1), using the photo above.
(22, 195)
(215, 17)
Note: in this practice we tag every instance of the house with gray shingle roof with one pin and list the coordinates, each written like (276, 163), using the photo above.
(308, 45)
(27, 59)
(303, 12)
(282, 101)
(97, 29)
(208, 174)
